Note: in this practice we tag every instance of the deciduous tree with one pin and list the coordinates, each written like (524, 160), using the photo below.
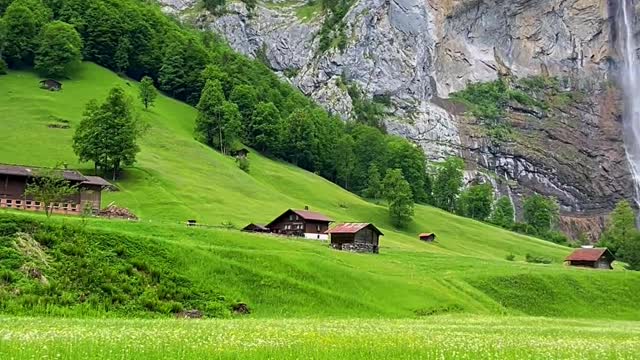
(49, 187)
(448, 183)
(148, 92)
(540, 213)
(264, 132)
(22, 29)
(620, 226)
(346, 161)
(475, 202)
(374, 183)
(397, 192)
(503, 214)
(209, 122)
(59, 50)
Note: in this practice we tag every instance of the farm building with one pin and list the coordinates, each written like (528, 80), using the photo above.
(259, 228)
(51, 85)
(428, 237)
(597, 258)
(303, 223)
(356, 237)
(14, 180)
(240, 153)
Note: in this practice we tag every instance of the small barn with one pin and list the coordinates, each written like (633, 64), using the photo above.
(51, 85)
(597, 258)
(428, 237)
(256, 228)
(240, 153)
(355, 237)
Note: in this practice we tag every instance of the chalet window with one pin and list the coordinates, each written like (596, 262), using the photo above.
(9, 201)
(318, 228)
(18, 202)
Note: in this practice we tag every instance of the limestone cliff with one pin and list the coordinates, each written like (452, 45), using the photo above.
(418, 52)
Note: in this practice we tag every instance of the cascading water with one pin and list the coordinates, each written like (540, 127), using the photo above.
(631, 87)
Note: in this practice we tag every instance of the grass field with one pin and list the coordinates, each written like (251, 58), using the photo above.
(305, 298)
(440, 338)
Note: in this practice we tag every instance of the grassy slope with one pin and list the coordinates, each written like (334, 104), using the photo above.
(176, 178)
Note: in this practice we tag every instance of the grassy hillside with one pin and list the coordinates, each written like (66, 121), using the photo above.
(177, 178)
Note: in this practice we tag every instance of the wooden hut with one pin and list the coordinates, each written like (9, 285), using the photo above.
(597, 258)
(257, 228)
(356, 237)
(428, 237)
(302, 223)
(51, 85)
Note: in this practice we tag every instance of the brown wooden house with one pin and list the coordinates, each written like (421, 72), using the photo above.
(302, 223)
(597, 258)
(428, 237)
(14, 180)
(51, 85)
(356, 237)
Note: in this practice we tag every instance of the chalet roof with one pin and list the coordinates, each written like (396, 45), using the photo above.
(588, 254)
(352, 228)
(256, 226)
(97, 180)
(426, 235)
(29, 171)
(50, 81)
(310, 215)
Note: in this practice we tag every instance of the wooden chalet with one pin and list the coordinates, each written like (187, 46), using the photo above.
(356, 237)
(428, 237)
(51, 85)
(258, 228)
(597, 258)
(302, 223)
(14, 180)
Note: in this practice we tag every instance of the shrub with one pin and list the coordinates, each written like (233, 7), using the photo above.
(537, 259)
(3, 67)
(510, 257)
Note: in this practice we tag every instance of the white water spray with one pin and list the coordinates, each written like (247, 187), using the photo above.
(631, 88)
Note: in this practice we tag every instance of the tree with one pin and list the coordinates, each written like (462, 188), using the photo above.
(411, 160)
(59, 50)
(214, 6)
(540, 213)
(447, 184)
(346, 162)
(209, 122)
(370, 148)
(49, 187)
(148, 92)
(299, 139)
(21, 32)
(374, 184)
(629, 252)
(246, 98)
(475, 202)
(620, 226)
(398, 194)
(121, 57)
(108, 134)
(503, 214)
(232, 125)
(264, 129)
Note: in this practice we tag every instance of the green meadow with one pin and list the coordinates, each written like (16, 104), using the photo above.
(456, 298)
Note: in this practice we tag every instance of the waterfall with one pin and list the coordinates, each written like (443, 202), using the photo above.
(631, 88)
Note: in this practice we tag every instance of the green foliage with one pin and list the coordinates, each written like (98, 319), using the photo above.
(540, 213)
(209, 123)
(49, 187)
(448, 183)
(411, 160)
(243, 164)
(300, 139)
(630, 251)
(620, 227)
(246, 98)
(147, 92)
(510, 257)
(346, 162)
(4, 68)
(108, 134)
(121, 57)
(374, 184)
(232, 125)
(264, 130)
(475, 202)
(397, 192)
(180, 74)
(537, 259)
(503, 213)
(366, 111)
(57, 267)
(22, 29)
(59, 50)
(333, 26)
(215, 6)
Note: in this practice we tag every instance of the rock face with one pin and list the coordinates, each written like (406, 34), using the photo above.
(419, 52)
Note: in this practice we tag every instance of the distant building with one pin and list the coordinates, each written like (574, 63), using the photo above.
(428, 237)
(51, 85)
(302, 223)
(597, 258)
(356, 237)
(14, 180)
(258, 228)
(240, 153)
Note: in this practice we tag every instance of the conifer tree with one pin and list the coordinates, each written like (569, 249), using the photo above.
(374, 183)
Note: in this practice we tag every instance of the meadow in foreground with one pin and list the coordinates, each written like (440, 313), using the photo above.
(446, 337)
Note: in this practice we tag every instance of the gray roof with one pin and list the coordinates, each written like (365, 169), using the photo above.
(69, 175)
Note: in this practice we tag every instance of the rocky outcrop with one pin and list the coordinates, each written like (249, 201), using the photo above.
(418, 52)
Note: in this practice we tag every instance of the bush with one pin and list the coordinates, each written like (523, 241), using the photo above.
(3, 67)
(510, 257)
(537, 259)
